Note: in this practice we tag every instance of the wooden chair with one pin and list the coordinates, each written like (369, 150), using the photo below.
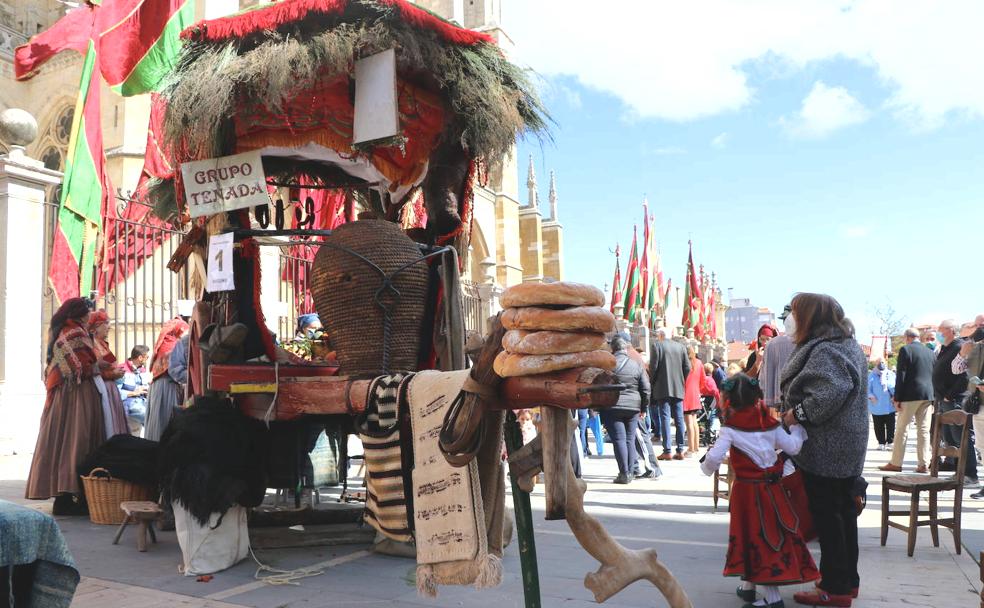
(729, 477)
(933, 484)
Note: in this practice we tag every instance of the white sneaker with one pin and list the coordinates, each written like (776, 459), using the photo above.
(881, 447)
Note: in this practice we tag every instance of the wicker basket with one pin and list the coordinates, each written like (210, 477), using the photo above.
(105, 493)
(351, 297)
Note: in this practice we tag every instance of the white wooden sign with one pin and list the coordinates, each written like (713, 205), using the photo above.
(376, 110)
(222, 184)
(219, 271)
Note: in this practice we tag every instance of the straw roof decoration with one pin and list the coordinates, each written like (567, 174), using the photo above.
(259, 57)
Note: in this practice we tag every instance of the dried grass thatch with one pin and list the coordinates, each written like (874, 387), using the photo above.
(490, 100)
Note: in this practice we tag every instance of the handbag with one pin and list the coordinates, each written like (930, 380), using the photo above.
(972, 404)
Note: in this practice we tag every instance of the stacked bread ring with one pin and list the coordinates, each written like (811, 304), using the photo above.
(553, 327)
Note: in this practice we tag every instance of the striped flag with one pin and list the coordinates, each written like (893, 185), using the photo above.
(644, 267)
(132, 44)
(84, 194)
(666, 299)
(654, 298)
(632, 280)
(692, 299)
(616, 283)
(139, 41)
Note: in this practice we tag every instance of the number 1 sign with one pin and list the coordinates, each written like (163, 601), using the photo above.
(219, 269)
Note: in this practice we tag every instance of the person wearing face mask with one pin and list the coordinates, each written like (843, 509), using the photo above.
(881, 391)
(970, 361)
(777, 353)
(950, 390)
(307, 326)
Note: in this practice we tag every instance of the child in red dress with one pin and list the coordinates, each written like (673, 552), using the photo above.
(765, 541)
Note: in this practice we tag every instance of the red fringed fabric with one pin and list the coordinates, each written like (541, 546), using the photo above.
(281, 13)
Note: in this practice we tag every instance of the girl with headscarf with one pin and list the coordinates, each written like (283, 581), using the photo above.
(114, 414)
(755, 360)
(72, 420)
(169, 369)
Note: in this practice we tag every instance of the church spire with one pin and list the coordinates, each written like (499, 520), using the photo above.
(531, 186)
(553, 197)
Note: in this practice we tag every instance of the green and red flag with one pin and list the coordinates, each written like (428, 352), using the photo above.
(632, 280)
(616, 283)
(132, 44)
(692, 299)
(712, 314)
(655, 295)
(666, 297)
(645, 265)
(84, 192)
(139, 41)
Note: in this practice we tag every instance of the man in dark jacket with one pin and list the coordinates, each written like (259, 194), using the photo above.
(668, 369)
(950, 390)
(913, 400)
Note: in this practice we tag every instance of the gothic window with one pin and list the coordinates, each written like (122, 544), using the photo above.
(63, 125)
(52, 159)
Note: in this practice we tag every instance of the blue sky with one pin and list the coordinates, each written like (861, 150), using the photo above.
(803, 146)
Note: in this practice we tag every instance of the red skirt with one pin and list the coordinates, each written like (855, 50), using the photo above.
(765, 544)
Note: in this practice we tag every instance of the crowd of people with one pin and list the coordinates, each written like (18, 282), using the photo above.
(91, 397)
(794, 425)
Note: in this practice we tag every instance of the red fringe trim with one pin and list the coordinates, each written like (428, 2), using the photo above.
(288, 11)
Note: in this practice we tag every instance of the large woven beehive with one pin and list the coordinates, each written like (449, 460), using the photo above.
(352, 296)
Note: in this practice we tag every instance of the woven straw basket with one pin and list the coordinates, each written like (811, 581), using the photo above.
(348, 294)
(105, 493)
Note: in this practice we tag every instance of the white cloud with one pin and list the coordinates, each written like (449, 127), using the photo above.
(686, 60)
(855, 232)
(825, 109)
(648, 150)
(720, 141)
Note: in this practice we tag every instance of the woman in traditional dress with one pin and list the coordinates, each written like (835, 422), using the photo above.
(691, 402)
(72, 419)
(768, 516)
(114, 414)
(166, 392)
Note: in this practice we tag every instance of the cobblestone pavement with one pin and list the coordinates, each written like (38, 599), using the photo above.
(673, 514)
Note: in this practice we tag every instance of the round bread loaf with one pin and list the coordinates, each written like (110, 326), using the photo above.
(552, 294)
(523, 342)
(510, 364)
(581, 318)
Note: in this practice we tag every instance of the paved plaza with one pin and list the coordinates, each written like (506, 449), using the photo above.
(673, 514)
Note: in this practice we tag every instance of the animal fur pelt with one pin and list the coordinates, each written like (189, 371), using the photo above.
(213, 457)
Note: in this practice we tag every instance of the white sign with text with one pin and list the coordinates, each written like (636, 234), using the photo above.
(219, 271)
(222, 184)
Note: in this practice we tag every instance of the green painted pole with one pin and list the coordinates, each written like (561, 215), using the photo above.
(524, 520)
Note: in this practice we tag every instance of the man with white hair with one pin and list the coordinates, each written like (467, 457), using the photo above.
(970, 360)
(950, 390)
(913, 400)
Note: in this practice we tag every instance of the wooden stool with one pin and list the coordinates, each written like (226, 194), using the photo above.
(141, 512)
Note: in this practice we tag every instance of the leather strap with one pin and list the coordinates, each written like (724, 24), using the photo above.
(485, 392)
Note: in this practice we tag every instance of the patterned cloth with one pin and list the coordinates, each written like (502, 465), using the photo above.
(170, 335)
(379, 430)
(73, 356)
(28, 536)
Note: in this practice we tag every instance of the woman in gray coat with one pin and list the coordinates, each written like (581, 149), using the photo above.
(824, 388)
(621, 420)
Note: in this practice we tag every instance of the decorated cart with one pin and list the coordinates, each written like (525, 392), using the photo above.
(358, 129)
